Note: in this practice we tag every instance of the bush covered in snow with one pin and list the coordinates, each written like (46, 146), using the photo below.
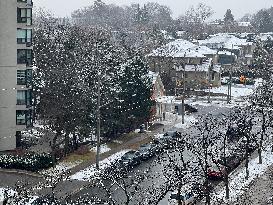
(29, 161)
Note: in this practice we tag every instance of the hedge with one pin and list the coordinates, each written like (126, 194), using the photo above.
(29, 161)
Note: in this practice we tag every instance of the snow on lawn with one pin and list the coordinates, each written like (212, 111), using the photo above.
(188, 122)
(237, 182)
(60, 168)
(89, 172)
(236, 90)
(103, 148)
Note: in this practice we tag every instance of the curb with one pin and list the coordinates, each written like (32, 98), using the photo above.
(11, 171)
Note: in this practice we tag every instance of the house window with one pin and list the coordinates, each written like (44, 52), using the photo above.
(24, 56)
(24, 15)
(21, 77)
(24, 36)
(21, 97)
(20, 117)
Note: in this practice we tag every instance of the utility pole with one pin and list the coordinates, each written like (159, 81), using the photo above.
(98, 122)
(209, 76)
(183, 95)
(229, 85)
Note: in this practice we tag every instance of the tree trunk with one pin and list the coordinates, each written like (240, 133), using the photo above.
(246, 166)
(53, 147)
(179, 201)
(226, 184)
(66, 144)
(262, 138)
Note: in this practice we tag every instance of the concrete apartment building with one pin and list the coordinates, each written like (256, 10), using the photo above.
(15, 71)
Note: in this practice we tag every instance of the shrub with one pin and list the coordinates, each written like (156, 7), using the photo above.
(29, 161)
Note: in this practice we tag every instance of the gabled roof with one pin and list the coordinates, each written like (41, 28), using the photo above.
(227, 41)
(182, 48)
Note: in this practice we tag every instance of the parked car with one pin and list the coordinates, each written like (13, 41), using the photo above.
(147, 150)
(47, 200)
(187, 198)
(190, 109)
(173, 134)
(130, 158)
(216, 172)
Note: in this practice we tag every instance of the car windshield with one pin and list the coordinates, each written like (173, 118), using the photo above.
(144, 147)
(170, 133)
(128, 155)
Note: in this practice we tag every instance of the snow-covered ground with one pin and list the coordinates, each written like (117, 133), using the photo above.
(237, 182)
(87, 173)
(236, 90)
(188, 122)
(60, 168)
(103, 148)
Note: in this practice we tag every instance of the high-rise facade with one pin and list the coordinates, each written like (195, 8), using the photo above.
(15, 71)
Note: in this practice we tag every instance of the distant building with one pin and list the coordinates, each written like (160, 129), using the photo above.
(170, 58)
(15, 71)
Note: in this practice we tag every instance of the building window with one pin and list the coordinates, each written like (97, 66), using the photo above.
(24, 36)
(24, 117)
(21, 77)
(21, 97)
(28, 98)
(24, 15)
(29, 77)
(20, 117)
(29, 118)
(24, 56)
(29, 2)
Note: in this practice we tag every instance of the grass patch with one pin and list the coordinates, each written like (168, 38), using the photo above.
(80, 157)
(128, 136)
(136, 145)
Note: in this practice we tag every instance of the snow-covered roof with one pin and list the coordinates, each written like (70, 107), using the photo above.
(172, 48)
(205, 50)
(225, 40)
(228, 53)
(244, 23)
(182, 48)
(265, 36)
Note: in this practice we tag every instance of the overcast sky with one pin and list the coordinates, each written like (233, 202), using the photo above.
(63, 8)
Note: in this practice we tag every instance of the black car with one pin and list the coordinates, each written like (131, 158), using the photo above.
(172, 134)
(147, 150)
(46, 200)
(190, 109)
(130, 159)
(165, 142)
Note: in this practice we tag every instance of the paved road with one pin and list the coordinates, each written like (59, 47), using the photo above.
(151, 189)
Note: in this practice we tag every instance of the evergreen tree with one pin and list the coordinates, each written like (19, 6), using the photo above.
(135, 95)
(263, 22)
(228, 18)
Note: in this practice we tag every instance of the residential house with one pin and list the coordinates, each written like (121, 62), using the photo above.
(168, 59)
